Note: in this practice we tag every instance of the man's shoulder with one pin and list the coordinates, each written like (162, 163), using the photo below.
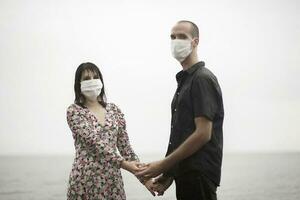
(204, 73)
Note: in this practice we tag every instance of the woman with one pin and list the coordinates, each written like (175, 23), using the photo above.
(98, 129)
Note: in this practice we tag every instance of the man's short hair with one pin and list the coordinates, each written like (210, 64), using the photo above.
(194, 29)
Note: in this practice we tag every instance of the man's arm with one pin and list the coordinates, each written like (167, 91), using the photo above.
(205, 105)
(193, 143)
(199, 138)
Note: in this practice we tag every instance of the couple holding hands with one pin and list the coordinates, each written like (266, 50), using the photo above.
(194, 156)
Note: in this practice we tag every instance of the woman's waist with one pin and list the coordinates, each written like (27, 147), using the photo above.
(86, 167)
(90, 158)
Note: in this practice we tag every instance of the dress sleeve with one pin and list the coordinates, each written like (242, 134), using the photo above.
(123, 143)
(80, 126)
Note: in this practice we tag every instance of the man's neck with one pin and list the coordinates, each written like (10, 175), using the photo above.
(190, 61)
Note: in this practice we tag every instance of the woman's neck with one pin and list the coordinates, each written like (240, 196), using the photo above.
(91, 104)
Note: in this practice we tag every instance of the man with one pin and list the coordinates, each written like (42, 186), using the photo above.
(195, 151)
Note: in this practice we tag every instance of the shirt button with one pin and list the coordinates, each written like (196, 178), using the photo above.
(170, 143)
(177, 93)
(175, 110)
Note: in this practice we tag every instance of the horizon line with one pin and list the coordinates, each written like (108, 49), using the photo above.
(158, 153)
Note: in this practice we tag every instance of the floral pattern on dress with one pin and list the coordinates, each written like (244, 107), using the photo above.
(100, 149)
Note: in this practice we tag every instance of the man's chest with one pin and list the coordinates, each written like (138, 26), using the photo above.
(182, 98)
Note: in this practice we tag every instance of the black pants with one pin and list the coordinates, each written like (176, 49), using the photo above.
(195, 186)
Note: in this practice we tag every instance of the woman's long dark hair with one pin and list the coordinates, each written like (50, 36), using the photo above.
(79, 97)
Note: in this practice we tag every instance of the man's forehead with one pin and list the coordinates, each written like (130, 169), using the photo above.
(180, 28)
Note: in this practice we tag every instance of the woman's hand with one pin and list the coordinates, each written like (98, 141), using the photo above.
(158, 185)
(149, 185)
(132, 166)
(161, 184)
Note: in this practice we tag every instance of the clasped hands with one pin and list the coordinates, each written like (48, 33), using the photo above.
(150, 175)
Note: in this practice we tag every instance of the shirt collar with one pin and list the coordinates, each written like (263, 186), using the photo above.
(190, 70)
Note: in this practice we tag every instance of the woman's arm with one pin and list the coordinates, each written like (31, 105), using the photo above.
(123, 143)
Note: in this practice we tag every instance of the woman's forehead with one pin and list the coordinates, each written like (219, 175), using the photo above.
(88, 72)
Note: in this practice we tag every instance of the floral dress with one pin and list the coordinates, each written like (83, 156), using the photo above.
(96, 173)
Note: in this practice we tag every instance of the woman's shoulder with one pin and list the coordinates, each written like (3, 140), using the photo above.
(73, 107)
(114, 107)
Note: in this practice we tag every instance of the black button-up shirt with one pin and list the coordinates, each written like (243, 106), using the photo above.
(198, 95)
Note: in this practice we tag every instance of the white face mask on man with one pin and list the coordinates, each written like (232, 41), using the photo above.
(181, 48)
(91, 88)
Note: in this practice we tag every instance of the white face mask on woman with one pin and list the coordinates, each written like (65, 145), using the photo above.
(181, 49)
(91, 88)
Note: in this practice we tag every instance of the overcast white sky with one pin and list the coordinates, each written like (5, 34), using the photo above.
(252, 47)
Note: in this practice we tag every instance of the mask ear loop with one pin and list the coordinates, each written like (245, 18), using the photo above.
(191, 39)
(196, 44)
(99, 96)
(81, 97)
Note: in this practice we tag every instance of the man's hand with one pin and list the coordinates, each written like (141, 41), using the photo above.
(153, 169)
(161, 184)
